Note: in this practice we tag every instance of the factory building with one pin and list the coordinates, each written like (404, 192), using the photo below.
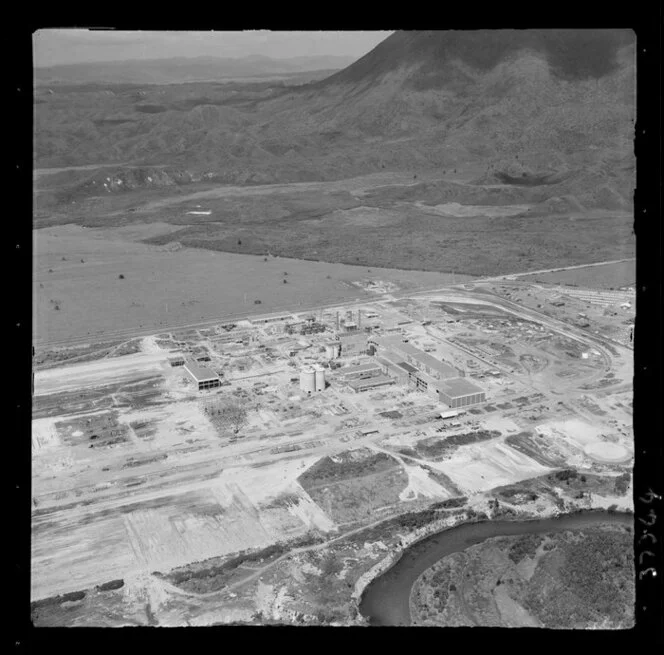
(353, 343)
(373, 382)
(204, 377)
(459, 392)
(409, 365)
(348, 323)
(393, 370)
(332, 349)
(360, 372)
(422, 361)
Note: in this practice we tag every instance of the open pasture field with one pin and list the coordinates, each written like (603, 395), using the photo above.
(605, 276)
(162, 289)
(387, 220)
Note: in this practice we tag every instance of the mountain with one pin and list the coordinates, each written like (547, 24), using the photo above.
(429, 59)
(531, 108)
(454, 124)
(178, 70)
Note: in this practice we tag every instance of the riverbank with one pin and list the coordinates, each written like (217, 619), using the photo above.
(543, 580)
(386, 599)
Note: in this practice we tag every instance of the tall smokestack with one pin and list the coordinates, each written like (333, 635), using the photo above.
(359, 319)
(337, 321)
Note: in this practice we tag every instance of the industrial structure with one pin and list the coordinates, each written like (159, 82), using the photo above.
(366, 384)
(308, 380)
(312, 379)
(332, 349)
(360, 372)
(459, 392)
(353, 343)
(409, 365)
(319, 378)
(394, 346)
(204, 377)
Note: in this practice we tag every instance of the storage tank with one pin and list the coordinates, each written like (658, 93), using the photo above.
(308, 380)
(319, 373)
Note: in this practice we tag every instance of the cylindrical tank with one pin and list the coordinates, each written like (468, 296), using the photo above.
(319, 373)
(308, 380)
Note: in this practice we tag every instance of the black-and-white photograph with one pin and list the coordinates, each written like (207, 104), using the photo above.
(333, 328)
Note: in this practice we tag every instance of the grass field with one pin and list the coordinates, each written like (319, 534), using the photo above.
(606, 276)
(386, 220)
(163, 289)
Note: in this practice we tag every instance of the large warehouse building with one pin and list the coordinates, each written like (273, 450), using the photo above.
(205, 378)
(367, 384)
(437, 369)
(439, 379)
(459, 392)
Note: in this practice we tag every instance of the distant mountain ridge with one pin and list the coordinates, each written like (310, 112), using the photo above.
(178, 70)
(533, 108)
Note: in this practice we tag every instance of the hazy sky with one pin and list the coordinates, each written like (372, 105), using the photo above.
(69, 46)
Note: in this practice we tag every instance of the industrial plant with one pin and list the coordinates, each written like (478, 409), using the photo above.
(241, 440)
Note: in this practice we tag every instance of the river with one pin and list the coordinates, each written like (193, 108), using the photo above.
(386, 600)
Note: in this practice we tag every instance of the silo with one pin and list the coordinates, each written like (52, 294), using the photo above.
(308, 380)
(319, 373)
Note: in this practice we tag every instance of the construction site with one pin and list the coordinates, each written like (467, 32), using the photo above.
(256, 470)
